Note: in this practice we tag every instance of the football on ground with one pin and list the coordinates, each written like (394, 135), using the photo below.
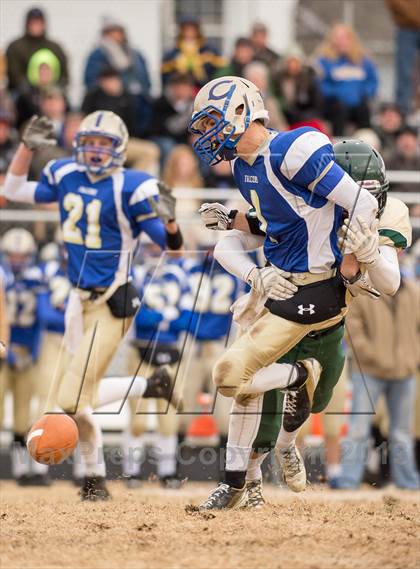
(52, 439)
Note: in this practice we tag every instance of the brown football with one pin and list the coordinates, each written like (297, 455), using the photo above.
(52, 439)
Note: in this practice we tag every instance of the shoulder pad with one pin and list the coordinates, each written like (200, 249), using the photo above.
(394, 224)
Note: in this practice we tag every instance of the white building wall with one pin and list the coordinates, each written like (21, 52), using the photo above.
(277, 15)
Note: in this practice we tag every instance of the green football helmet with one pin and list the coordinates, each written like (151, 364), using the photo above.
(366, 166)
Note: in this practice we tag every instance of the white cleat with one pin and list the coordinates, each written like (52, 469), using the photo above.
(293, 468)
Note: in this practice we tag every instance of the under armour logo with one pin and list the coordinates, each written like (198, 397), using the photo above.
(302, 309)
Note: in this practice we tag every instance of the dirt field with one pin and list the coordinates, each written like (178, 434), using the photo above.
(152, 528)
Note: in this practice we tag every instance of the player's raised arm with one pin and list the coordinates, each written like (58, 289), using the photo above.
(38, 133)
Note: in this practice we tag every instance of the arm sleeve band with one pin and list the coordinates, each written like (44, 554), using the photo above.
(231, 253)
(384, 272)
(18, 189)
(174, 241)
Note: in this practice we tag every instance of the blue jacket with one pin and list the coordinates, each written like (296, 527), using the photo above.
(97, 60)
(348, 82)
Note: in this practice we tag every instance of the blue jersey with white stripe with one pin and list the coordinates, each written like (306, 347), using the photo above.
(212, 292)
(100, 220)
(58, 289)
(26, 299)
(160, 318)
(288, 185)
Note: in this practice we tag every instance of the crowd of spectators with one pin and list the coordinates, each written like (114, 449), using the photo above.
(334, 89)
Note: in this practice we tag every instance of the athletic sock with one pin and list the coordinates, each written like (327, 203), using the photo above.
(113, 389)
(133, 454)
(254, 467)
(235, 478)
(333, 471)
(91, 444)
(166, 451)
(244, 422)
(79, 468)
(20, 458)
(274, 376)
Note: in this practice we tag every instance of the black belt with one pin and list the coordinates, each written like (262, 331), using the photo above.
(94, 292)
(316, 334)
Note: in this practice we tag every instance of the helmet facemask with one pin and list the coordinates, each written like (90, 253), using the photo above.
(221, 124)
(115, 158)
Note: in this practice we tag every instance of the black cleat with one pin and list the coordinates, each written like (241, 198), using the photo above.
(171, 482)
(300, 395)
(160, 386)
(132, 482)
(225, 497)
(34, 480)
(94, 489)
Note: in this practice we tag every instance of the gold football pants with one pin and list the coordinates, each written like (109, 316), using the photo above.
(267, 340)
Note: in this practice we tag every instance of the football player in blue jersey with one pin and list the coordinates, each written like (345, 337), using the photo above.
(158, 324)
(103, 209)
(299, 193)
(26, 300)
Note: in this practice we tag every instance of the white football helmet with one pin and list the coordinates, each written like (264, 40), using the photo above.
(229, 104)
(108, 125)
(19, 248)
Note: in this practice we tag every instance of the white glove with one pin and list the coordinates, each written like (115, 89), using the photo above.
(38, 132)
(272, 282)
(361, 240)
(3, 350)
(216, 216)
(360, 285)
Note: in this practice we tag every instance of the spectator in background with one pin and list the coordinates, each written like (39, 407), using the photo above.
(192, 55)
(348, 79)
(259, 39)
(42, 76)
(385, 339)
(23, 54)
(114, 50)
(109, 94)
(388, 124)
(405, 157)
(406, 15)
(8, 140)
(54, 106)
(243, 54)
(296, 86)
(6, 103)
(258, 73)
(172, 114)
(182, 171)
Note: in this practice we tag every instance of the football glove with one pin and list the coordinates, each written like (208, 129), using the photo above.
(165, 206)
(361, 240)
(216, 216)
(38, 132)
(359, 284)
(271, 282)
